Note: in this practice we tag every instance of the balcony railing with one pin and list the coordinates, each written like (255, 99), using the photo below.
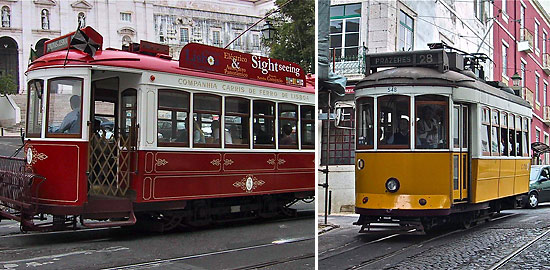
(546, 63)
(526, 41)
(546, 114)
(351, 65)
(528, 95)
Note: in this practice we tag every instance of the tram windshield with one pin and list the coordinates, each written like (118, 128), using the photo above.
(34, 113)
(64, 107)
(431, 122)
(430, 128)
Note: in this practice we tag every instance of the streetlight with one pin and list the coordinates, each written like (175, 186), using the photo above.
(516, 81)
(268, 31)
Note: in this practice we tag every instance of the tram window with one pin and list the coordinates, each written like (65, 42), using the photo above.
(34, 108)
(485, 130)
(264, 124)
(365, 127)
(128, 115)
(394, 121)
(206, 120)
(64, 107)
(288, 125)
(307, 119)
(173, 118)
(104, 118)
(519, 145)
(432, 124)
(495, 145)
(525, 140)
(504, 147)
(237, 122)
(456, 139)
(511, 135)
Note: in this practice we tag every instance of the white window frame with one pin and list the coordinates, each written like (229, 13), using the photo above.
(342, 46)
(544, 92)
(219, 41)
(238, 42)
(186, 39)
(522, 21)
(544, 37)
(537, 132)
(536, 37)
(522, 71)
(504, 53)
(407, 29)
(125, 14)
(537, 88)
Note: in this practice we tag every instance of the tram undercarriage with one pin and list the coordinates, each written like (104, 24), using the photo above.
(421, 222)
(193, 213)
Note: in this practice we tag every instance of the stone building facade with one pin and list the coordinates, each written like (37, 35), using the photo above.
(26, 24)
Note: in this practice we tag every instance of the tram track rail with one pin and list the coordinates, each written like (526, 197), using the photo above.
(366, 264)
(500, 264)
(300, 215)
(160, 263)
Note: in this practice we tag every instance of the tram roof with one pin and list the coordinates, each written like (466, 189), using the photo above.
(421, 76)
(124, 59)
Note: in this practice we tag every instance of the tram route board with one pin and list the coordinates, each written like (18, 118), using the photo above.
(428, 58)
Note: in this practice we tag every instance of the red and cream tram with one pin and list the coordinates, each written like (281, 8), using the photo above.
(130, 135)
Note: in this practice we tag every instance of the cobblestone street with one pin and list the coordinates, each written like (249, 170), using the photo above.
(492, 245)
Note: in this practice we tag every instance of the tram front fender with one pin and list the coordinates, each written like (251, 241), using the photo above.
(401, 201)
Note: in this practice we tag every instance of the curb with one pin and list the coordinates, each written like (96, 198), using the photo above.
(326, 228)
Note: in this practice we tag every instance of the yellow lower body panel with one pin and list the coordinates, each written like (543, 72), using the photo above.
(494, 178)
(401, 201)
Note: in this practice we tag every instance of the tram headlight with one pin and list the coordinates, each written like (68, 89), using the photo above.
(392, 185)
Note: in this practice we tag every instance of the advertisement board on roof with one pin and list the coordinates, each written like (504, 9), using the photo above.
(243, 65)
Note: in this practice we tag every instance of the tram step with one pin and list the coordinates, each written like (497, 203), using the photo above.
(99, 204)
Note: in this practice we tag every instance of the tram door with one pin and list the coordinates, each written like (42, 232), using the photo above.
(461, 157)
(112, 138)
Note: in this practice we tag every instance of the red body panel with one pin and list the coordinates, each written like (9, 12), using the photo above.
(192, 175)
(170, 176)
(64, 164)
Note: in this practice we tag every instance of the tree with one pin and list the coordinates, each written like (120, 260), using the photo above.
(7, 85)
(294, 39)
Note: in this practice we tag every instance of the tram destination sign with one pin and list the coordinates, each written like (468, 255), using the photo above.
(427, 58)
(243, 65)
(62, 43)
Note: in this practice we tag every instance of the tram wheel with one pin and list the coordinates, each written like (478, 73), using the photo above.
(170, 222)
(466, 221)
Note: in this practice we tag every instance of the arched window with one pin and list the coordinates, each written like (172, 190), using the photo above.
(45, 19)
(126, 40)
(6, 16)
(81, 19)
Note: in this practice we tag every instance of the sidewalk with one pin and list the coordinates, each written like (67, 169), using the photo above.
(334, 221)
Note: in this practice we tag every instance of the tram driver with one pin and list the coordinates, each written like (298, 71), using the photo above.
(71, 122)
(428, 129)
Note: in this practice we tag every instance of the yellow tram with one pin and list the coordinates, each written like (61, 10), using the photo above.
(436, 144)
